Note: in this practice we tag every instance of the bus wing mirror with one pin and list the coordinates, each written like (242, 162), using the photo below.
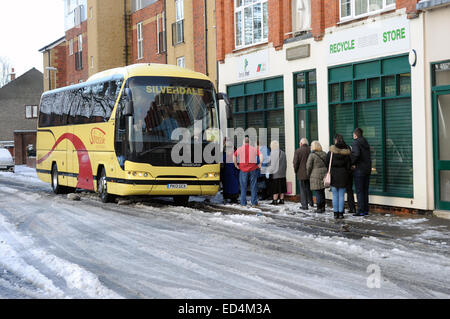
(226, 99)
(128, 111)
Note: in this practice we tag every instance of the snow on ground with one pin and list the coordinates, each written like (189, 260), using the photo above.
(51, 247)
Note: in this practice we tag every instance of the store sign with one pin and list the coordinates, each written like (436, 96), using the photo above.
(373, 39)
(253, 65)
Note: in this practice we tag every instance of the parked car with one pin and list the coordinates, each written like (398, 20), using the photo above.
(6, 160)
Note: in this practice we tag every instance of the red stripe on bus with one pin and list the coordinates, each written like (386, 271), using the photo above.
(85, 176)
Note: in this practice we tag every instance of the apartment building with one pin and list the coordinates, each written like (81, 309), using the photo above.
(314, 68)
(178, 32)
(101, 35)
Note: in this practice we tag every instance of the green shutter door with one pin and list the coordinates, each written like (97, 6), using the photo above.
(399, 160)
(342, 122)
(369, 119)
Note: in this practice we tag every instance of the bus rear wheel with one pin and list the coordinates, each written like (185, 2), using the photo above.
(102, 188)
(57, 189)
(181, 200)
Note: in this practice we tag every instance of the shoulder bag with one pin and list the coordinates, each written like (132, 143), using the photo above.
(327, 178)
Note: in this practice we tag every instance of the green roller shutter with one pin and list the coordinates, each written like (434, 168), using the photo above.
(342, 121)
(399, 164)
(369, 119)
(275, 119)
(376, 96)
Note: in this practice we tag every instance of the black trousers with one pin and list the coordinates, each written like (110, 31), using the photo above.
(350, 195)
(362, 192)
(306, 196)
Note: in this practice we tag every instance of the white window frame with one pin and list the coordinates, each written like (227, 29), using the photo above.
(31, 111)
(28, 111)
(353, 15)
(160, 24)
(241, 9)
(80, 43)
(138, 5)
(140, 41)
(35, 111)
(70, 47)
(181, 62)
(179, 8)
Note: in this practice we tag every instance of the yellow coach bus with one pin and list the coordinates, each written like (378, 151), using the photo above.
(113, 133)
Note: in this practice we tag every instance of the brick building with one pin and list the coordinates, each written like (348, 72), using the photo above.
(101, 35)
(314, 68)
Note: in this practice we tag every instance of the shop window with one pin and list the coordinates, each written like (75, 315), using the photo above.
(347, 91)
(441, 73)
(360, 90)
(374, 88)
(306, 125)
(259, 104)
(389, 85)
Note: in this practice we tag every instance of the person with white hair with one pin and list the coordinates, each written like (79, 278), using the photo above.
(300, 158)
(277, 169)
(316, 169)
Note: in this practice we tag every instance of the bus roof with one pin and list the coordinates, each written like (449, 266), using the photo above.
(141, 69)
(150, 69)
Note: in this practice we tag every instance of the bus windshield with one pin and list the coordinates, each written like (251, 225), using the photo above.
(160, 106)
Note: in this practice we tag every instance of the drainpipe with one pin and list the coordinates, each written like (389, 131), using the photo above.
(165, 28)
(206, 39)
(126, 30)
(49, 77)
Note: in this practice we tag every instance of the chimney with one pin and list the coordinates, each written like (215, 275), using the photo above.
(12, 75)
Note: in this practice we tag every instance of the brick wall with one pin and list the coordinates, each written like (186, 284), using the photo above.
(73, 75)
(324, 14)
(148, 16)
(198, 7)
(60, 62)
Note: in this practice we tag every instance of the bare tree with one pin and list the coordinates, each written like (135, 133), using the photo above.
(5, 68)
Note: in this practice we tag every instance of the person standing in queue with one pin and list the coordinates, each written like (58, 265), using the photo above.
(246, 161)
(229, 174)
(363, 167)
(349, 189)
(316, 169)
(277, 169)
(300, 158)
(339, 156)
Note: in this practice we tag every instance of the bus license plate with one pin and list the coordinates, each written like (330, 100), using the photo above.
(176, 186)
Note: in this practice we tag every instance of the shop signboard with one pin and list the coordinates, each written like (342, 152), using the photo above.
(373, 39)
(253, 65)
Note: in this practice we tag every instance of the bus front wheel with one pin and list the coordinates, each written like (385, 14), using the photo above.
(102, 188)
(181, 200)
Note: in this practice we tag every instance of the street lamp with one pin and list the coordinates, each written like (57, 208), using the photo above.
(50, 68)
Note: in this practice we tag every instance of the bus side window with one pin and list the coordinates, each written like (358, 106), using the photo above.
(67, 100)
(56, 117)
(97, 105)
(45, 111)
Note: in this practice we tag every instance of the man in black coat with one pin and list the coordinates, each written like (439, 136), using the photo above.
(363, 167)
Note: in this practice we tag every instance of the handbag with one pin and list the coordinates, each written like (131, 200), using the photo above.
(327, 178)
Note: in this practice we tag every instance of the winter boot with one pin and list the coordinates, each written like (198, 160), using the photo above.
(336, 215)
(281, 202)
(274, 202)
(341, 215)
